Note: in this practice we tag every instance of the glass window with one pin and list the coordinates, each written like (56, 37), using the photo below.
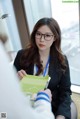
(10, 26)
(67, 15)
(36, 9)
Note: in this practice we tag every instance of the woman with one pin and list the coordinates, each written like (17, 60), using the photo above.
(44, 56)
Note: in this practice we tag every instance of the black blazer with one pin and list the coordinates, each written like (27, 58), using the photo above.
(59, 85)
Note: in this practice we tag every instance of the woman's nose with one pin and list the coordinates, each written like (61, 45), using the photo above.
(42, 38)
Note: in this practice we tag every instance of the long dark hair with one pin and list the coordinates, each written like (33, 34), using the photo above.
(31, 55)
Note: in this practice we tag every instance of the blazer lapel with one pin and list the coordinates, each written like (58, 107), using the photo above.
(54, 73)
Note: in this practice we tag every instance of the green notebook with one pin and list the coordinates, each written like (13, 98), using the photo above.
(33, 84)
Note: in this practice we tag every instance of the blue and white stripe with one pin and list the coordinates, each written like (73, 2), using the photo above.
(42, 96)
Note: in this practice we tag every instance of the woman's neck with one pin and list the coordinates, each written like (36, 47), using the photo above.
(44, 55)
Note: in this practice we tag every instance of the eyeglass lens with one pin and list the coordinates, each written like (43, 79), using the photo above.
(46, 36)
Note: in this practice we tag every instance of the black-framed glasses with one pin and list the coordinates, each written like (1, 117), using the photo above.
(46, 36)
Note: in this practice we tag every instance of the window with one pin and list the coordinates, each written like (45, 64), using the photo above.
(10, 26)
(36, 9)
(67, 15)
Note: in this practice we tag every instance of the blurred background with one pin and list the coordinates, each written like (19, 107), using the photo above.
(17, 18)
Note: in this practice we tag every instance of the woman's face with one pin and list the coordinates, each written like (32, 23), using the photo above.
(44, 38)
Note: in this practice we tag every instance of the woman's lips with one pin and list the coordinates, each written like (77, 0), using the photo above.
(41, 45)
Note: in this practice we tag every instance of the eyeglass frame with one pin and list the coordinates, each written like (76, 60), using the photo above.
(43, 35)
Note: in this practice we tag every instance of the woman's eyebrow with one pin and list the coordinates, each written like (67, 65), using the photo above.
(45, 32)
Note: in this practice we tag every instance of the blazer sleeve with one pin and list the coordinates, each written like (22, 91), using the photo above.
(64, 94)
(17, 60)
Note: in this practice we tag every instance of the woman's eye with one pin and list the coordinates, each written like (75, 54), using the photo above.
(47, 35)
(38, 34)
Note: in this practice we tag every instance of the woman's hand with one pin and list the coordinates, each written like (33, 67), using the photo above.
(60, 117)
(21, 73)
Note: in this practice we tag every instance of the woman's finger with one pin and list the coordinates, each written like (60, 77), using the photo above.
(21, 74)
